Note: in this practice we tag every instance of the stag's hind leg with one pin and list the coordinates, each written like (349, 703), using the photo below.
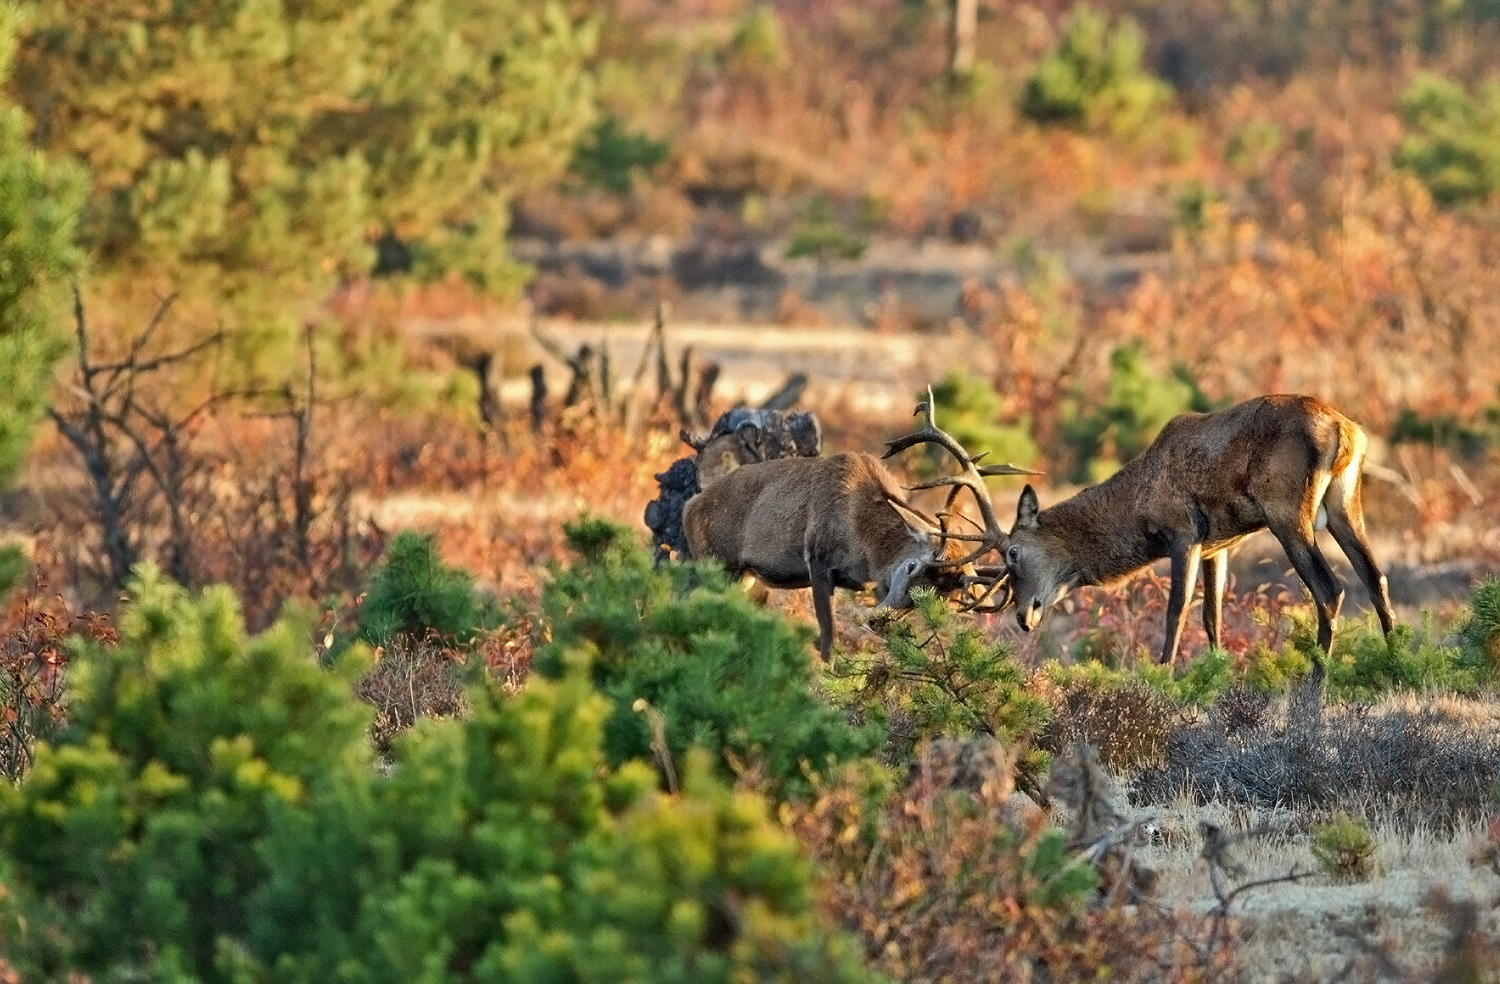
(1215, 575)
(1346, 521)
(1312, 567)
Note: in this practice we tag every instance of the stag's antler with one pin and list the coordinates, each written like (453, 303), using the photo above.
(991, 537)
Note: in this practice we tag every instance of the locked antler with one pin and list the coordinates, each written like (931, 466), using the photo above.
(990, 536)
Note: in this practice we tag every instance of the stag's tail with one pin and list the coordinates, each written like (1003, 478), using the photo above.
(1343, 493)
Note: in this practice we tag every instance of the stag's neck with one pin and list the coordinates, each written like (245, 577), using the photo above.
(1106, 536)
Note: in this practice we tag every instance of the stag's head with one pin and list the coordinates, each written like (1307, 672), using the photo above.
(928, 558)
(952, 564)
(1038, 576)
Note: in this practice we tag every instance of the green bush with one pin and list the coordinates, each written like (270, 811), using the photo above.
(1198, 685)
(413, 592)
(1093, 79)
(721, 672)
(1453, 144)
(936, 679)
(1479, 634)
(137, 839)
(1365, 663)
(969, 409)
(1136, 406)
(612, 155)
(213, 814)
(39, 208)
(820, 234)
(504, 849)
(1469, 439)
(421, 118)
(1345, 848)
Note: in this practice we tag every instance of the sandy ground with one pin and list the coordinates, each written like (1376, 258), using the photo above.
(1317, 929)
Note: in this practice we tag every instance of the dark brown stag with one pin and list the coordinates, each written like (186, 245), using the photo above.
(1290, 464)
(841, 521)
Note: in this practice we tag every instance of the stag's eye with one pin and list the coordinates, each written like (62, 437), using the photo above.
(1012, 555)
(911, 566)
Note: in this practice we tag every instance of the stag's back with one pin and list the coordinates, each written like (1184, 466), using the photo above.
(766, 517)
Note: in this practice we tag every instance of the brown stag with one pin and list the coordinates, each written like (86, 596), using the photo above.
(841, 521)
(1290, 464)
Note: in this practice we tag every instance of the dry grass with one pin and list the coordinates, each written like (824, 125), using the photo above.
(1431, 760)
(1320, 929)
(411, 679)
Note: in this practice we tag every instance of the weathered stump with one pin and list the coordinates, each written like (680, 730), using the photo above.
(740, 436)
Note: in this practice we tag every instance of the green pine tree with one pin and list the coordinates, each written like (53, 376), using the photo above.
(39, 206)
(247, 152)
(213, 814)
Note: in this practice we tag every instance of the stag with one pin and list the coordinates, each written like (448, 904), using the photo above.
(1290, 464)
(841, 521)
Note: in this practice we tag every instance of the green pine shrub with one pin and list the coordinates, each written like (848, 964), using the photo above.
(938, 677)
(40, 201)
(1469, 439)
(136, 841)
(1274, 671)
(1094, 78)
(421, 118)
(722, 672)
(412, 592)
(612, 155)
(1479, 632)
(503, 848)
(422, 617)
(213, 814)
(1137, 404)
(1453, 142)
(1345, 848)
(820, 235)
(1198, 685)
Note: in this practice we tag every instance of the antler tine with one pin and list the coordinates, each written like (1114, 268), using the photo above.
(1007, 469)
(971, 477)
(992, 583)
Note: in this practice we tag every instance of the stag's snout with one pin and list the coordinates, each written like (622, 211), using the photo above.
(1030, 616)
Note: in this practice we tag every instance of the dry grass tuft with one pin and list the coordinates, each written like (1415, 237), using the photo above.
(1323, 928)
(411, 679)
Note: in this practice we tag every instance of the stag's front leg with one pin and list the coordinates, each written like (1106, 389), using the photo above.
(821, 577)
(1215, 574)
(1184, 574)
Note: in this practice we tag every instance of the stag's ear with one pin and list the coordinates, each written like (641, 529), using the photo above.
(915, 521)
(1027, 509)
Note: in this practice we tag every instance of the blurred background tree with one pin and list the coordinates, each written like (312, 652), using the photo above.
(259, 153)
(1454, 144)
(39, 204)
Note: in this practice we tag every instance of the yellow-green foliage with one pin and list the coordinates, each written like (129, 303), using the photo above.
(969, 408)
(214, 814)
(39, 205)
(1094, 77)
(939, 677)
(1345, 848)
(253, 150)
(722, 672)
(1454, 138)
